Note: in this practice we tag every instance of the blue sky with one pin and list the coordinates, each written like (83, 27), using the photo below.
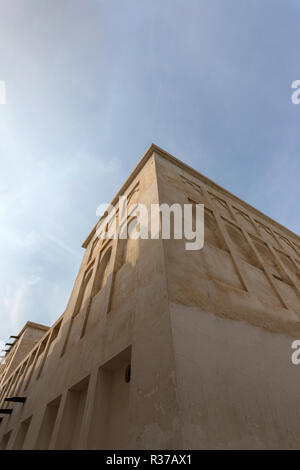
(91, 83)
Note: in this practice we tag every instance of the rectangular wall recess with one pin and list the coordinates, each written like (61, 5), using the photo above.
(109, 425)
(21, 435)
(4, 441)
(48, 424)
(70, 427)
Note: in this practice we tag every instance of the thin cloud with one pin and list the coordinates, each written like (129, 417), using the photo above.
(207, 81)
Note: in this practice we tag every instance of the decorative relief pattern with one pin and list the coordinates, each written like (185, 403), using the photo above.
(220, 205)
(84, 292)
(292, 268)
(255, 264)
(269, 260)
(126, 251)
(286, 244)
(191, 184)
(297, 248)
(133, 195)
(102, 271)
(241, 245)
(211, 231)
(93, 249)
(266, 233)
(244, 220)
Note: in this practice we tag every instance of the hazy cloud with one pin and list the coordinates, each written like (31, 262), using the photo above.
(91, 83)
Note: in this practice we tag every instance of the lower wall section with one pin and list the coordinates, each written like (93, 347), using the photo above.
(198, 381)
(236, 383)
(92, 413)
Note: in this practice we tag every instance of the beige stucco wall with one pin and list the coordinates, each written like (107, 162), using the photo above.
(237, 386)
(229, 276)
(207, 335)
(234, 316)
(130, 310)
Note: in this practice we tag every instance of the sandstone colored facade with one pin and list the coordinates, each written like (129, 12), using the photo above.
(164, 348)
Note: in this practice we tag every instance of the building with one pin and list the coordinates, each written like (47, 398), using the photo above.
(164, 348)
